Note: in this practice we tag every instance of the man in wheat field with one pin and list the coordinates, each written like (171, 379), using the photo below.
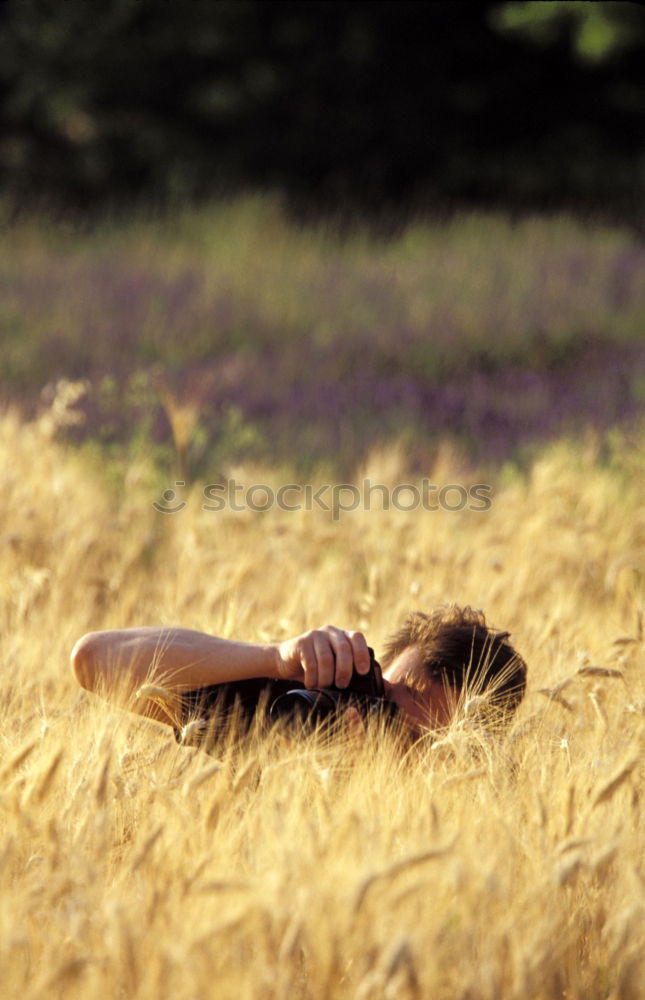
(430, 666)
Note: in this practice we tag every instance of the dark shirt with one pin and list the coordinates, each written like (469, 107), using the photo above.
(217, 704)
(206, 712)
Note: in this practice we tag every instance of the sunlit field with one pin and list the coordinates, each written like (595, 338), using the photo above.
(473, 867)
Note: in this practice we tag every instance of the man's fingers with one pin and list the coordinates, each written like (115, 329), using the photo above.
(328, 656)
(325, 659)
(360, 652)
(309, 661)
(344, 657)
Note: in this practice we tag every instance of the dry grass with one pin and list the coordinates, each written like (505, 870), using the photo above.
(132, 867)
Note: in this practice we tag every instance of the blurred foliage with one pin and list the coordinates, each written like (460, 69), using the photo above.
(228, 331)
(367, 103)
(599, 30)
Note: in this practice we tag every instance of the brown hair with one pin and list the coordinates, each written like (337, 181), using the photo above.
(459, 647)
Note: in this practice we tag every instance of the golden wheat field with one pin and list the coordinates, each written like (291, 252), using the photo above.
(470, 869)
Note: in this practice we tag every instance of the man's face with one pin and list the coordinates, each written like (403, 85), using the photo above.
(427, 703)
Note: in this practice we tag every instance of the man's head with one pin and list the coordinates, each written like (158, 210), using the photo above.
(435, 659)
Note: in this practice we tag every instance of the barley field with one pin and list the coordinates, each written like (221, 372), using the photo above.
(473, 867)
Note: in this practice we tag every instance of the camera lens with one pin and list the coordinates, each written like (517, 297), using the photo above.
(306, 706)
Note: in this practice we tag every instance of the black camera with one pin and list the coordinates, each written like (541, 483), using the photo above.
(312, 707)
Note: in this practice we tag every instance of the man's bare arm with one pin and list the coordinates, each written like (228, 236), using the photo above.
(140, 667)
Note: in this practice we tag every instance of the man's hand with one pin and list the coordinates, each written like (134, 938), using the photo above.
(323, 656)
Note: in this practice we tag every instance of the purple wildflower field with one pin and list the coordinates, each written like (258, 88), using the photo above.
(301, 345)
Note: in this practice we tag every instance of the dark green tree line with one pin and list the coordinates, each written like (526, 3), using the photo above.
(367, 103)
